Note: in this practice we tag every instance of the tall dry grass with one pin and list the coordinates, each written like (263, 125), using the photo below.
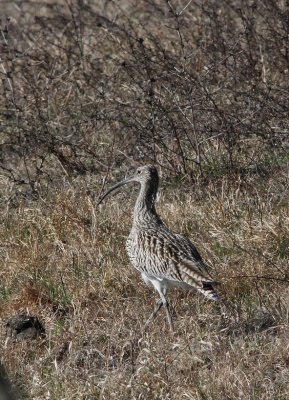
(64, 260)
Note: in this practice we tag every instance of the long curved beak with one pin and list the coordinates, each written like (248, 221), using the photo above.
(119, 184)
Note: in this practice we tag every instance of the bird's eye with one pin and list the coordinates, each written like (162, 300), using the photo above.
(138, 171)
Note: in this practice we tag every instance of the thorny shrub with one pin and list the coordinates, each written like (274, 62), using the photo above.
(200, 88)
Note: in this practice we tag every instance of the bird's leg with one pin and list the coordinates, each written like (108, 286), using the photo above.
(166, 307)
(154, 313)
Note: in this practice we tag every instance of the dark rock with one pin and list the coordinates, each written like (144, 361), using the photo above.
(6, 392)
(24, 327)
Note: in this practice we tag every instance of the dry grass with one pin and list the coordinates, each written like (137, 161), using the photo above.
(88, 91)
(64, 260)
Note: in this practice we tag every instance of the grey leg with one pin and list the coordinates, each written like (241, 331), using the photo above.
(162, 302)
(169, 317)
(154, 313)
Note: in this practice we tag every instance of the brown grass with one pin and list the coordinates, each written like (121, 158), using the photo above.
(88, 91)
(64, 260)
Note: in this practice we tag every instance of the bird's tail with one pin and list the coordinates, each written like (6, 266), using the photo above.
(198, 279)
(209, 291)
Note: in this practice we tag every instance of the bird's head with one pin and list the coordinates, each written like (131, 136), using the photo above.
(146, 175)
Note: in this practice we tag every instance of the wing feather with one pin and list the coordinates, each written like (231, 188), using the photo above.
(166, 255)
(159, 252)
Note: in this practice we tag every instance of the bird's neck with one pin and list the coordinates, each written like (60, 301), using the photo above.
(144, 209)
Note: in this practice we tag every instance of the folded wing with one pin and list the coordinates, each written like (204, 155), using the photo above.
(173, 257)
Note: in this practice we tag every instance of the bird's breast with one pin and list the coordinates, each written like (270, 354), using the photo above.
(136, 251)
(132, 247)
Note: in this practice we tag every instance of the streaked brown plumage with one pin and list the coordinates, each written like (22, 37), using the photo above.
(163, 257)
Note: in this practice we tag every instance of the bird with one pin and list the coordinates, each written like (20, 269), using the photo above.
(165, 259)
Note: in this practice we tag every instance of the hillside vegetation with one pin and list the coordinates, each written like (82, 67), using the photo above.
(90, 90)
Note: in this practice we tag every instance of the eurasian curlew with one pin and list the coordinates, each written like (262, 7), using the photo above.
(163, 257)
